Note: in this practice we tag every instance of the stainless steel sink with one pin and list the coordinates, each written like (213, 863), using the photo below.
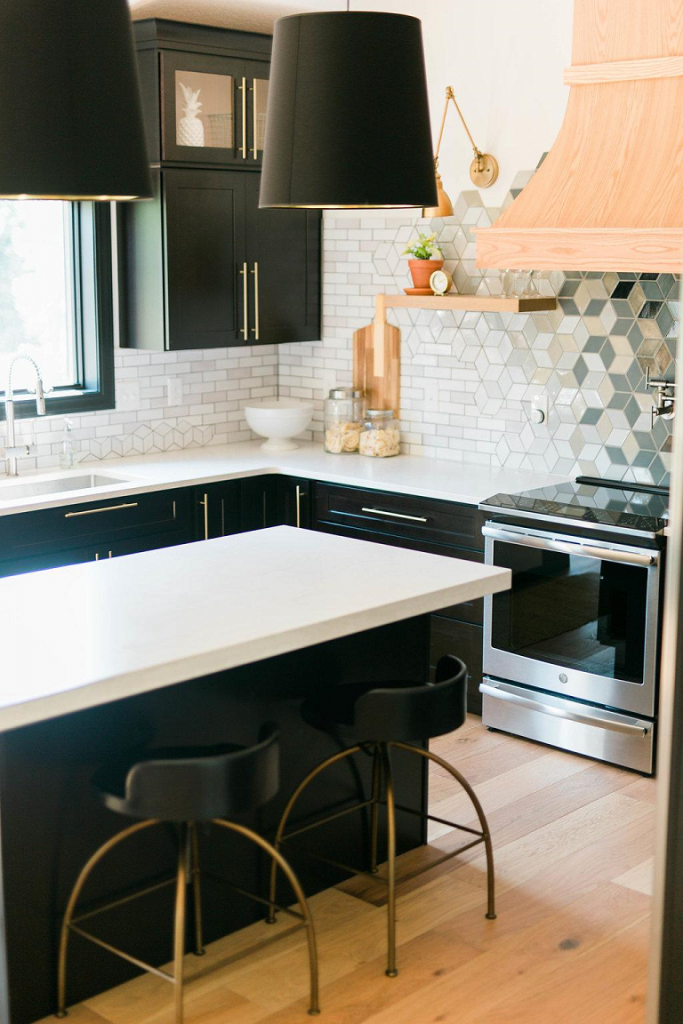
(56, 485)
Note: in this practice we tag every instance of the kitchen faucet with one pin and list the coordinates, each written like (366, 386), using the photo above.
(14, 451)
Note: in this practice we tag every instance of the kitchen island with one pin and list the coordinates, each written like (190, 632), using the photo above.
(196, 643)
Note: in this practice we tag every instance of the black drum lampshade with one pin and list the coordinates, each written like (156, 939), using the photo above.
(347, 125)
(70, 114)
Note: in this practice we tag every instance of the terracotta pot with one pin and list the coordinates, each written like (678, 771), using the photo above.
(422, 270)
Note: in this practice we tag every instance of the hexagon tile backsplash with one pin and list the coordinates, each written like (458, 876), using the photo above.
(467, 379)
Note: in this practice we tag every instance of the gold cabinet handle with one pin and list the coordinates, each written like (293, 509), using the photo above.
(299, 495)
(205, 503)
(255, 328)
(394, 515)
(254, 123)
(244, 119)
(94, 511)
(245, 299)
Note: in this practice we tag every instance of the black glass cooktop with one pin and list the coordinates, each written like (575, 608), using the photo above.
(585, 501)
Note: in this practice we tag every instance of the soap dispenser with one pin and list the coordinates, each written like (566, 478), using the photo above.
(67, 455)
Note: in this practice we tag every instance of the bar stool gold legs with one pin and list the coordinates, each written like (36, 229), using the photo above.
(179, 923)
(187, 873)
(68, 924)
(382, 771)
(376, 782)
(279, 861)
(270, 919)
(196, 891)
(485, 833)
(391, 970)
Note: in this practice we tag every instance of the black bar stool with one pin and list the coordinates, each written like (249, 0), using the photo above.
(381, 717)
(185, 786)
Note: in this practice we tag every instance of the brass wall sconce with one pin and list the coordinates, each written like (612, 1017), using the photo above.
(483, 169)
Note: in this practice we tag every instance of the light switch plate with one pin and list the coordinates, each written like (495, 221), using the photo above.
(127, 394)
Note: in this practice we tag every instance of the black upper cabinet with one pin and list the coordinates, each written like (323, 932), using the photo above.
(201, 266)
(204, 237)
(283, 257)
(179, 262)
(230, 70)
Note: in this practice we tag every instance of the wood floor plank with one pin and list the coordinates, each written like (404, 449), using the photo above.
(572, 843)
(641, 877)
(512, 969)
(511, 821)
(642, 789)
(519, 782)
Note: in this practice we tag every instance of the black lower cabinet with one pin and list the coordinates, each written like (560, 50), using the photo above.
(465, 640)
(275, 501)
(438, 527)
(258, 503)
(216, 510)
(66, 535)
(294, 501)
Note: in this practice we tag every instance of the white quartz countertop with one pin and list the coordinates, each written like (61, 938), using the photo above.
(407, 474)
(87, 634)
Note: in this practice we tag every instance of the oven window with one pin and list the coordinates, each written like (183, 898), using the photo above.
(574, 612)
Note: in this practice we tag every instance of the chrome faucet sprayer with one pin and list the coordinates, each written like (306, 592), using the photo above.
(12, 451)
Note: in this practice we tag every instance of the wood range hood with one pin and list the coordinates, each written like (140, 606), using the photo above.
(609, 195)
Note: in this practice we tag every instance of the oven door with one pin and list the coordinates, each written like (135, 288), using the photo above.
(580, 619)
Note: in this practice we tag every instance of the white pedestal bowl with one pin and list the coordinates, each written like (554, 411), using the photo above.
(279, 420)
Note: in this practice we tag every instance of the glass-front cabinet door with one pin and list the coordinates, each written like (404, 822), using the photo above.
(259, 105)
(213, 109)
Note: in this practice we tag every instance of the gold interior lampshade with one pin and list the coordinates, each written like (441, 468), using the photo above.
(444, 207)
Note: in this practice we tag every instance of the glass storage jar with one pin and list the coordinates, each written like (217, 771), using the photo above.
(380, 434)
(343, 417)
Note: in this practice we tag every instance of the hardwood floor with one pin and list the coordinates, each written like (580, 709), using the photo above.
(573, 842)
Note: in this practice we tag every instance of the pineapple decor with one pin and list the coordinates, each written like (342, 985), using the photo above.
(190, 128)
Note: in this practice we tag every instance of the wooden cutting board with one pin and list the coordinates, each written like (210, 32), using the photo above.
(377, 362)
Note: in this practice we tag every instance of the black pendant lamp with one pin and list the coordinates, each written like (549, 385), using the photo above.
(70, 114)
(348, 118)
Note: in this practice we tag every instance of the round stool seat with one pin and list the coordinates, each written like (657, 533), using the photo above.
(192, 783)
(396, 710)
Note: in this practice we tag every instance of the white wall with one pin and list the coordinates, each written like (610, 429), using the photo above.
(504, 59)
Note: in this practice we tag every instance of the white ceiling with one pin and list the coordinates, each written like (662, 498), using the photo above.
(247, 15)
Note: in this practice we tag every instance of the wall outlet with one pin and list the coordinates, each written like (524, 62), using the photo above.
(174, 391)
(127, 394)
(538, 409)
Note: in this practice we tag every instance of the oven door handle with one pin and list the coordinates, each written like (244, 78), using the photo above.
(627, 557)
(595, 719)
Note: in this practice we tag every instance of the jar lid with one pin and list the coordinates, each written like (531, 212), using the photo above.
(379, 412)
(346, 393)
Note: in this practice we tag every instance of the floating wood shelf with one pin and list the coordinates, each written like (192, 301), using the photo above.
(473, 303)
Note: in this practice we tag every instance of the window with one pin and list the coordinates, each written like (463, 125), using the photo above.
(56, 302)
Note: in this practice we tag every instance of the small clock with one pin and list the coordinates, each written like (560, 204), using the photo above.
(440, 282)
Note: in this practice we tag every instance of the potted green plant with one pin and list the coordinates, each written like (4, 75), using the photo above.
(427, 257)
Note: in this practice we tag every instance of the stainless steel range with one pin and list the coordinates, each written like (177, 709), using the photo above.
(571, 650)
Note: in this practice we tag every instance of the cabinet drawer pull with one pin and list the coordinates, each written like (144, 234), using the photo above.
(243, 90)
(395, 515)
(254, 121)
(205, 503)
(255, 328)
(244, 274)
(94, 511)
(299, 495)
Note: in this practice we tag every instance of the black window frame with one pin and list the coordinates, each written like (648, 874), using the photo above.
(93, 317)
